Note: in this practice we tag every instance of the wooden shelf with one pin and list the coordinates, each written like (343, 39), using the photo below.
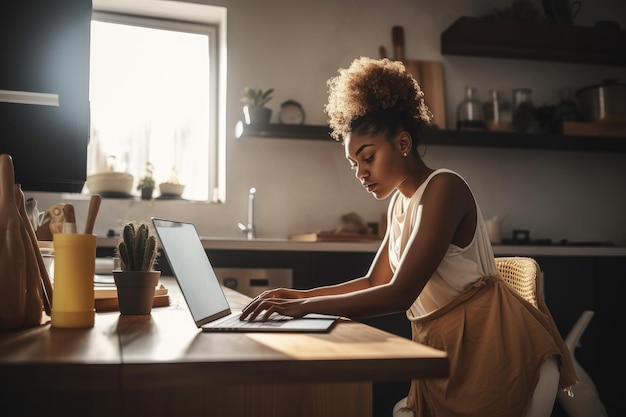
(506, 38)
(280, 131)
(437, 137)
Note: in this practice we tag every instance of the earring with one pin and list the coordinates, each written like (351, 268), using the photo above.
(404, 154)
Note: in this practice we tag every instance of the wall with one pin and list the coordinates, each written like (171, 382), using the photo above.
(305, 185)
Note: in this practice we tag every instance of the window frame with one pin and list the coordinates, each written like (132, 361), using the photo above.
(213, 27)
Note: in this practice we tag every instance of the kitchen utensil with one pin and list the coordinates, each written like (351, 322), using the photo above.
(20, 281)
(604, 102)
(69, 225)
(382, 51)
(92, 213)
(32, 213)
(397, 37)
(469, 114)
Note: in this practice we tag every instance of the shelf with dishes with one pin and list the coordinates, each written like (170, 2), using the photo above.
(588, 138)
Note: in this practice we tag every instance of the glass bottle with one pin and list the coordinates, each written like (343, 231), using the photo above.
(470, 114)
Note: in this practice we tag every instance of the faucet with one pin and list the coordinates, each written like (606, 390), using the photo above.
(249, 228)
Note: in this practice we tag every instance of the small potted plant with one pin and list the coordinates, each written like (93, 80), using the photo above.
(255, 111)
(146, 183)
(136, 278)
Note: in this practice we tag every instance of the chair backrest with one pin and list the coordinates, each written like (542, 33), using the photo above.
(522, 274)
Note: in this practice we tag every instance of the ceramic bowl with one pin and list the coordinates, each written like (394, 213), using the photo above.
(171, 189)
(110, 182)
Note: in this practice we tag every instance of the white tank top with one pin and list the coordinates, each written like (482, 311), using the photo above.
(460, 267)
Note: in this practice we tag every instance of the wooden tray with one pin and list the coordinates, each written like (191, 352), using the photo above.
(330, 236)
(111, 304)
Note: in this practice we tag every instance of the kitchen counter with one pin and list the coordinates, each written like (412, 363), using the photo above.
(291, 245)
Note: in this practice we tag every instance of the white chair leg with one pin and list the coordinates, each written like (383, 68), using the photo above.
(586, 401)
(545, 392)
(398, 410)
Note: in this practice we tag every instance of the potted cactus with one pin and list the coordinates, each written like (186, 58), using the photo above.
(136, 278)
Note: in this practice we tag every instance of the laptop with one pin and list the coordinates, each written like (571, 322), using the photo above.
(203, 292)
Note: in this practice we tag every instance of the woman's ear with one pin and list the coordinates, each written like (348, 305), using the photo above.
(405, 142)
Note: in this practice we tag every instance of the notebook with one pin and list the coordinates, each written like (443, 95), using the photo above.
(203, 292)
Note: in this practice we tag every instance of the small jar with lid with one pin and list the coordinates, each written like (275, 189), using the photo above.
(470, 113)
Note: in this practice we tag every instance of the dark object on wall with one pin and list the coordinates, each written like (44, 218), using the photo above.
(45, 50)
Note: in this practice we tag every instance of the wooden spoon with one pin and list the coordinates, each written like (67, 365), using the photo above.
(94, 207)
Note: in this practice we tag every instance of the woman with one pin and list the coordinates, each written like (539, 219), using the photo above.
(435, 261)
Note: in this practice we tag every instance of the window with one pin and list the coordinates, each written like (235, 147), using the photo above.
(153, 97)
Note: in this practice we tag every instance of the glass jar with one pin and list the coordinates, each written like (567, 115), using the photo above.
(524, 111)
(497, 112)
(470, 114)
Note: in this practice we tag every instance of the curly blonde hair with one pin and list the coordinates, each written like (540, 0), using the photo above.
(369, 85)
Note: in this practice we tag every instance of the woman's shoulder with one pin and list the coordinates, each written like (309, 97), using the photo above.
(447, 181)
(446, 176)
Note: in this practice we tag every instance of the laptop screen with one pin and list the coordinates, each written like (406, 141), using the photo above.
(192, 269)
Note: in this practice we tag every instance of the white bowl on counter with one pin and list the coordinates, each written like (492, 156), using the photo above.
(110, 183)
(170, 189)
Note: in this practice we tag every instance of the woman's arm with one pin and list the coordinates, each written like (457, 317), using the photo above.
(447, 214)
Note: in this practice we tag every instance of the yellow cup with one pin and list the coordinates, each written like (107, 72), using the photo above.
(74, 269)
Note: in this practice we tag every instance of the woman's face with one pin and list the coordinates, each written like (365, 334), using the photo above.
(378, 162)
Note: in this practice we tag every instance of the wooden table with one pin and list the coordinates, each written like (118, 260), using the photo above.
(163, 365)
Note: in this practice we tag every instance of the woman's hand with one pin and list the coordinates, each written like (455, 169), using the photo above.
(282, 301)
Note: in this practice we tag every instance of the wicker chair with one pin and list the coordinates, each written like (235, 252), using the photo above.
(523, 274)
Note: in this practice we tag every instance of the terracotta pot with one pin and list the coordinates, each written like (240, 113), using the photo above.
(135, 290)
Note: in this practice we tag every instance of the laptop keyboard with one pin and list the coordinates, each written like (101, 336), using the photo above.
(234, 322)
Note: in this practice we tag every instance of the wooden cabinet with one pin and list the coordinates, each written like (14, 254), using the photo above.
(610, 316)
(575, 284)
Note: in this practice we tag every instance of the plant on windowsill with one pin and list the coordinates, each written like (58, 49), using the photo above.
(136, 279)
(254, 110)
(146, 183)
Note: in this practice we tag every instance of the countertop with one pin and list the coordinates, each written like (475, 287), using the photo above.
(292, 245)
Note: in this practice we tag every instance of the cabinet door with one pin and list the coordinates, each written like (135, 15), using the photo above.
(568, 288)
(609, 321)
(298, 262)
